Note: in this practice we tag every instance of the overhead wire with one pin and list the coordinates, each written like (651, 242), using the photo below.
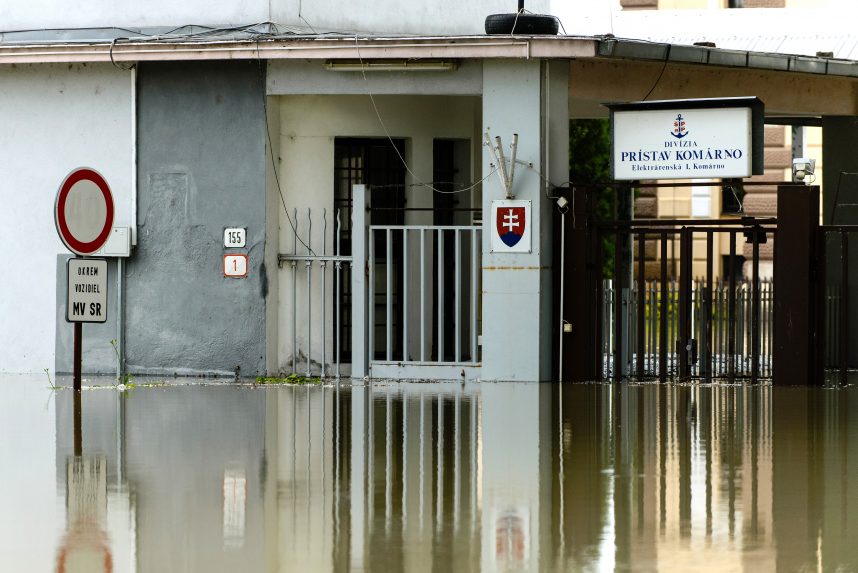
(271, 153)
(420, 182)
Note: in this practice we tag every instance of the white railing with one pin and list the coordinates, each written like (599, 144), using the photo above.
(415, 297)
(424, 285)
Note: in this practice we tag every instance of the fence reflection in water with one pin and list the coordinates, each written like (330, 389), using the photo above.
(719, 360)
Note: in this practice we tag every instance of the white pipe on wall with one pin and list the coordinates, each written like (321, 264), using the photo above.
(134, 155)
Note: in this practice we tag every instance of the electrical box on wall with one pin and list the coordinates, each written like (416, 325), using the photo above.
(118, 243)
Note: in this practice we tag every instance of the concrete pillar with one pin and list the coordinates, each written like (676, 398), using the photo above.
(797, 326)
(529, 98)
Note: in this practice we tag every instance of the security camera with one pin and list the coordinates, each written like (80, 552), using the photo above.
(801, 168)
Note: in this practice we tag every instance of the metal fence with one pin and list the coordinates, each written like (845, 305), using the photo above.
(408, 296)
(315, 266)
(424, 288)
(730, 355)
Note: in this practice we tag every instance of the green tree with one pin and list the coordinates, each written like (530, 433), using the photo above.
(590, 162)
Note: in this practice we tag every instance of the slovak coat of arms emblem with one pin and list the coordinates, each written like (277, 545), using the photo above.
(511, 226)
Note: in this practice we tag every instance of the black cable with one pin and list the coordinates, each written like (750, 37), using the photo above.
(271, 153)
(658, 79)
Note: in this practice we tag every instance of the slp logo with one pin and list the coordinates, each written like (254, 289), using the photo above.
(679, 129)
(510, 224)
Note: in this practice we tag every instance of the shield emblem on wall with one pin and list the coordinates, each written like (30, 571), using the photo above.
(510, 224)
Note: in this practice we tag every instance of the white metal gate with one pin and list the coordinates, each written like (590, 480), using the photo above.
(415, 299)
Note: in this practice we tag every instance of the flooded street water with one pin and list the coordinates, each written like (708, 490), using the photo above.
(428, 477)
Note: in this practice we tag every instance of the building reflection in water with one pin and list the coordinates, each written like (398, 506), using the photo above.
(423, 477)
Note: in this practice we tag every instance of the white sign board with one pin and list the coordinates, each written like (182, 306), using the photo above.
(234, 237)
(235, 266)
(86, 299)
(682, 143)
(511, 226)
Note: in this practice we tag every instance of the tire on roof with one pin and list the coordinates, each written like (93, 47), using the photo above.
(524, 24)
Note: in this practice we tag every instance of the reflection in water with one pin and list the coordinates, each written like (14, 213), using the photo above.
(434, 477)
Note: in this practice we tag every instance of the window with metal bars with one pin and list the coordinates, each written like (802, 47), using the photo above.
(374, 163)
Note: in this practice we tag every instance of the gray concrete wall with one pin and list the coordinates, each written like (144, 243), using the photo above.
(201, 168)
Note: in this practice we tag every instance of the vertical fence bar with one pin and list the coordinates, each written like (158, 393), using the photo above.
(731, 310)
(722, 328)
(844, 304)
(440, 295)
(618, 304)
(738, 350)
(755, 309)
(707, 335)
(338, 324)
(309, 292)
(423, 295)
(671, 316)
(371, 297)
(641, 310)
(323, 265)
(600, 303)
(771, 328)
(685, 303)
(475, 269)
(457, 288)
(360, 314)
(295, 296)
(388, 295)
(653, 327)
(662, 329)
(405, 356)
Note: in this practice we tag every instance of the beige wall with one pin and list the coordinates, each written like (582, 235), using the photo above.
(308, 127)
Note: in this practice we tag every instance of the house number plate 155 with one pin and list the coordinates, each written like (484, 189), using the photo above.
(234, 238)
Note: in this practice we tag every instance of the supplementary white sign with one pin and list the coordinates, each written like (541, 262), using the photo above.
(235, 266)
(682, 143)
(511, 226)
(234, 237)
(86, 299)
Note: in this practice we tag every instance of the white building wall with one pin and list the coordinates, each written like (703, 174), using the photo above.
(445, 17)
(308, 127)
(53, 119)
(41, 14)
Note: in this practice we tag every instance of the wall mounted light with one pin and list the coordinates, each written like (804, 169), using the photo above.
(391, 65)
(801, 168)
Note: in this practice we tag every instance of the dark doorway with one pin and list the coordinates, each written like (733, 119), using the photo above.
(376, 164)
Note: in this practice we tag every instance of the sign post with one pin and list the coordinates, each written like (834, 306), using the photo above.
(83, 214)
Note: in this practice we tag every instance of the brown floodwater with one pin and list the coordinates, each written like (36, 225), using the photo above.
(428, 477)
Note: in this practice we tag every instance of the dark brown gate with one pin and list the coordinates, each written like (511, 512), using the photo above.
(651, 317)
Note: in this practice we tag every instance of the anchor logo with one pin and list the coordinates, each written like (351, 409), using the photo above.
(679, 129)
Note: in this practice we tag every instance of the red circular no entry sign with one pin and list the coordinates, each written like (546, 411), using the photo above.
(84, 211)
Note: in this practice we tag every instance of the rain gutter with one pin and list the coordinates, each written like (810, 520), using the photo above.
(711, 56)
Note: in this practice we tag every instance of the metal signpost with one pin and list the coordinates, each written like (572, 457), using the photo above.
(83, 214)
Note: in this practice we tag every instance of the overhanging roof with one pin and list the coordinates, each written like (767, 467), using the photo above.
(124, 46)
(603, 68)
